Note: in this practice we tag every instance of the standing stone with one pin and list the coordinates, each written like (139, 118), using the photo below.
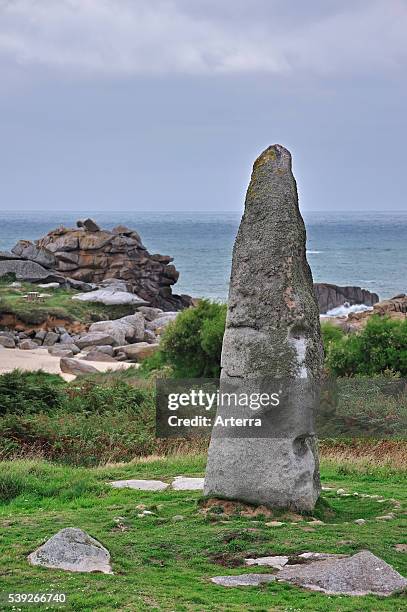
(272, 332)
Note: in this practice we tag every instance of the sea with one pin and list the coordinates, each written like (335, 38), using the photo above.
(366, 249)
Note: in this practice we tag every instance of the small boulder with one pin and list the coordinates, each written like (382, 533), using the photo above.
(184, 483)
(75, 367)
(7, 342)
(28, 345)
(88, 224)
(142, 485)
(51, 338)
(276, 562)
(58, 351)
(138, 351)
(97, 356)
(72, 550)
(361, 574)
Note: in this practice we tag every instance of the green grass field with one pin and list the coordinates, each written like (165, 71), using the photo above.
(159, 564)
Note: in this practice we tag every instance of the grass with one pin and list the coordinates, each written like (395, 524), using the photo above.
(58, 305)
(159, 564)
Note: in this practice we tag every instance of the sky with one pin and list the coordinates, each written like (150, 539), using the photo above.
(163, 105)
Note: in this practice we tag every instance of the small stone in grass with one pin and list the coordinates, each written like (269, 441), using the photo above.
(177, 517)
(360, 521)
(401, 547)
(274, 524)
(385, 517)
(277, 562)
(243, 580)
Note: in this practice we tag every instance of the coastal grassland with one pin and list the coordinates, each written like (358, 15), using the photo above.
(160, 564)
(57, 305)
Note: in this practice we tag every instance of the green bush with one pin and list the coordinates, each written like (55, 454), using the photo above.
(30, 392)
(192, 344)
(379, 348)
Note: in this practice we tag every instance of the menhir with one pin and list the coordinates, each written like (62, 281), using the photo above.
(92, 255)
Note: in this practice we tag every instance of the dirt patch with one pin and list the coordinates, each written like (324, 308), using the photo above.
(214, 506)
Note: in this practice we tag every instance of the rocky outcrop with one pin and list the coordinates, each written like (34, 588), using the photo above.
(28, 271)
(272, 332)
(394, 308)
(88, 254)
(331, 296)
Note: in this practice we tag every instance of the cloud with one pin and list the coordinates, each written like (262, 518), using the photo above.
(196, 37)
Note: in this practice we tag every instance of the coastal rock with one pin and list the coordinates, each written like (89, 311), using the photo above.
(63, 350)
(88, 224)
(97, 356)
(50, 338)
(361, 574)
(89, 255)
(138, 351)
(28, 271)
(7, 342)
(272, 332)
(72, 550)
(129, 328)
(110, 297)
(243, 580)
(75, 367)
(332, 296)
(93, 339)
(28, 345)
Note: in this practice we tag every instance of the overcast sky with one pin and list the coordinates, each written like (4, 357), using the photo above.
(164, 104)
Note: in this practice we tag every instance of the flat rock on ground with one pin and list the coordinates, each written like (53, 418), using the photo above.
(183, 483)
(73, 550)
(361, 574)
(243, 580)
(142, 485)
(277, 562)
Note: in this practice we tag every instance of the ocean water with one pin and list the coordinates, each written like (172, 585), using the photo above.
(365, 249)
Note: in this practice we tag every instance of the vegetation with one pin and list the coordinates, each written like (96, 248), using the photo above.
(381, 346)
(191, 346)
(58, 304)
(160, 564)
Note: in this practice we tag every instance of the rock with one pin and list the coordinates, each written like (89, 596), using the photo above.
(51, 338)
(331, 296)
(161, 322)
(142, 485)
(106, 349)
(272, 331)
(87, 256)
(130, 328)
(73, 550)
(88, 224)
(75, 367)
(401, 547)
(277, 562)
(340, 492)
(8, 255)
(185, 483)
(27, 345)
(49, 285)
(94, 339)
(360, 521)
(96, 355)
(110, 297)
(27, 271)
(150, 313)
(243, 580)
(386, 517)
(317, 556)
(138, 351)
(65, 338)
(274, 524)
(28, 250)
(7, 342)
(177, 518)
(60, 351)
(361, 574)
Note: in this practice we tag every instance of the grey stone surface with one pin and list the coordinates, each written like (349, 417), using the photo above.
(7, 342)
(361, 574)
(25, 270)
(51, 338)
(272, 331)
(88, 224)
(96, 355)
(94, 338)
(185, 483)
(142, 485)
(243, 580)
(138, 351)
(73, 550)
(76, 367)
(28, 250)
(277, 562)
(125, 329)
(27, 345)
(60, 351)
(110, 297)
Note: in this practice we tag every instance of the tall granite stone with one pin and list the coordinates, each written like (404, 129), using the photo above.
(272, 332)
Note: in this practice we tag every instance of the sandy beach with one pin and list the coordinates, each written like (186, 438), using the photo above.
(40, 359)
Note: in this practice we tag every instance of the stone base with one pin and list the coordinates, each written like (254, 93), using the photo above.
(278, 473)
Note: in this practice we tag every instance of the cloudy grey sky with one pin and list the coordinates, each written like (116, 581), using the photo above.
(164, 104)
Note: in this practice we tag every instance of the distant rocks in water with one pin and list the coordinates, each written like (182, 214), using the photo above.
(72, 550)
(332, 296)
(394, 308)
(85, 256)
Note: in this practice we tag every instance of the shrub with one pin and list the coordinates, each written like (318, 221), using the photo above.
(379, 348)
(30, 392)
(192, 344)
